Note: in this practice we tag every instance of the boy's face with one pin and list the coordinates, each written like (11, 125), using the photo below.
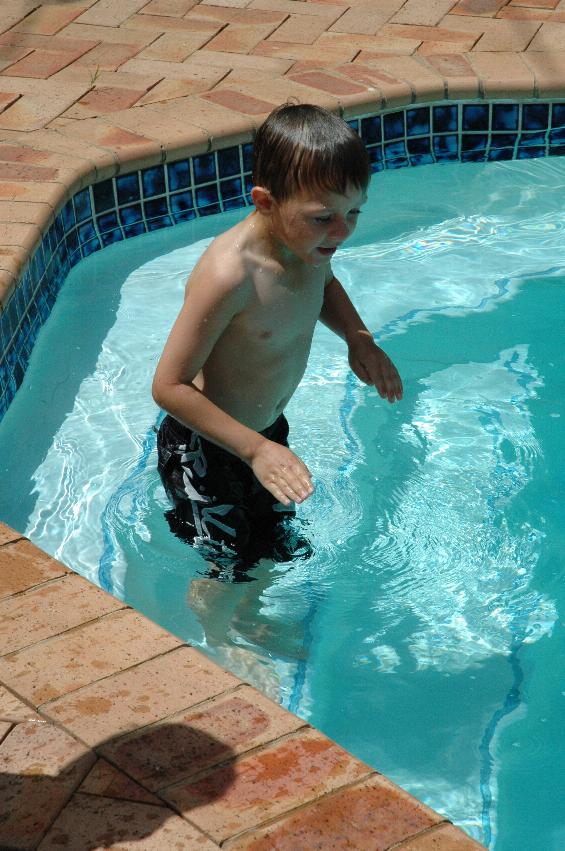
(313, 224)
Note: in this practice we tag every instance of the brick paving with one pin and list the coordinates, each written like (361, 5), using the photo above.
(89, 88)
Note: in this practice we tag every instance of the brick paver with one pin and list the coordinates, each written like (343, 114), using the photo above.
(9, 54)
(503, 75)
(40, 766)
(139, 695)
(264, 785)
(366, 19)
(49, 609)
(66, 663)
(424, 14)
(106, 780)
(548, 70)
(7, 535)
(14, 710)
(188, 743)
(48, 20)
(89, 88)
(373, 814)
(100, 822)
(22, 565)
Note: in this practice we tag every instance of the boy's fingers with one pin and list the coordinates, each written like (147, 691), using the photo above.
(281, 491)
(286, 495)
(279, 494)
(392, 385)
(297, 470)
(364, 374)
(384, 376)
(293, 480)
(298, 490)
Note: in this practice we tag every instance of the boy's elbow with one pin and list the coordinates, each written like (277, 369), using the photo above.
(167, 390)
(164, 392)
(157, 392)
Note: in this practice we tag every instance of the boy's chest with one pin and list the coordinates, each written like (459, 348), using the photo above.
(285, 312)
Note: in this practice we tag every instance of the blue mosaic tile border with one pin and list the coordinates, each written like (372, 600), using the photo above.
(165, 195)
(464, 132)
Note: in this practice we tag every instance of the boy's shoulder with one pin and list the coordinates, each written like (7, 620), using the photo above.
(222, 264)
(230, 260)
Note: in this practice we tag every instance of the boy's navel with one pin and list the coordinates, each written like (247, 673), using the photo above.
(265, 335)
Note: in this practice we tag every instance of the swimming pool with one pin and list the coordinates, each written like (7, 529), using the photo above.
(433, 591)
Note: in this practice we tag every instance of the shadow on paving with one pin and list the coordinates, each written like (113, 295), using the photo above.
(113, 794)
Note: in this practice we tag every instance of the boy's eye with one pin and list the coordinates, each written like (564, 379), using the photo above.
(326, 220)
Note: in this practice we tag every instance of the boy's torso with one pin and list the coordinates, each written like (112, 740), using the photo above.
(260, 358)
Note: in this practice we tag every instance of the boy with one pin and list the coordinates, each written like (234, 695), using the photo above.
(240, 344)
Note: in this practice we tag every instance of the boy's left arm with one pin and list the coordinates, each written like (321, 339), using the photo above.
(369, 362)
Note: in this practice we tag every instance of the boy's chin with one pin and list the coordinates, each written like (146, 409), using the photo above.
(319, 257)
(315, 257)
(311, 257)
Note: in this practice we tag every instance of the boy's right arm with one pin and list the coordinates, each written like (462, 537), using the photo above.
(215, 296)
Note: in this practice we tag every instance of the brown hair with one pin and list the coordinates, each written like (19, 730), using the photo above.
(301, 146)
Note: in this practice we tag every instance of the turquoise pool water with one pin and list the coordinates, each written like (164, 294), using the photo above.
(425, 633)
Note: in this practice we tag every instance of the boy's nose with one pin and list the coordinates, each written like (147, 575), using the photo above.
(341, 229)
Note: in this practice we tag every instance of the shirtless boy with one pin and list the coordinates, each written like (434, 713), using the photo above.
(240, 344)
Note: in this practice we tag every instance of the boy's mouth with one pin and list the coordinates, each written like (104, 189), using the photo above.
(327, 252)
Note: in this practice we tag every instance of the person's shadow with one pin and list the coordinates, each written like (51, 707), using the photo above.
(113, 796)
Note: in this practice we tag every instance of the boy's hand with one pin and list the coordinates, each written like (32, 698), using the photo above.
(281, 472)
(373, 366)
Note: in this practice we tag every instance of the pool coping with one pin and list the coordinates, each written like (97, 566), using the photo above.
(47, 157)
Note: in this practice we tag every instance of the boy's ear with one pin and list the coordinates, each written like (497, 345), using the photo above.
(263, 200)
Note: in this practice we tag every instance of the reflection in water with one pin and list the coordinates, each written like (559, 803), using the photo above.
(458, 555)
(459, 565)
(247, 634)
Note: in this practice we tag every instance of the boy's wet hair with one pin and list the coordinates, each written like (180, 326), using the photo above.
(301, 147)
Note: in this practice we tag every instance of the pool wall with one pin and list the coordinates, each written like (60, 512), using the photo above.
(80, 169)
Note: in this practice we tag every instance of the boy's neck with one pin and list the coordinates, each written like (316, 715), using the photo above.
(273, 244)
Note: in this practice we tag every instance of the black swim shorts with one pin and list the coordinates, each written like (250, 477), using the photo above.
(218, 503)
